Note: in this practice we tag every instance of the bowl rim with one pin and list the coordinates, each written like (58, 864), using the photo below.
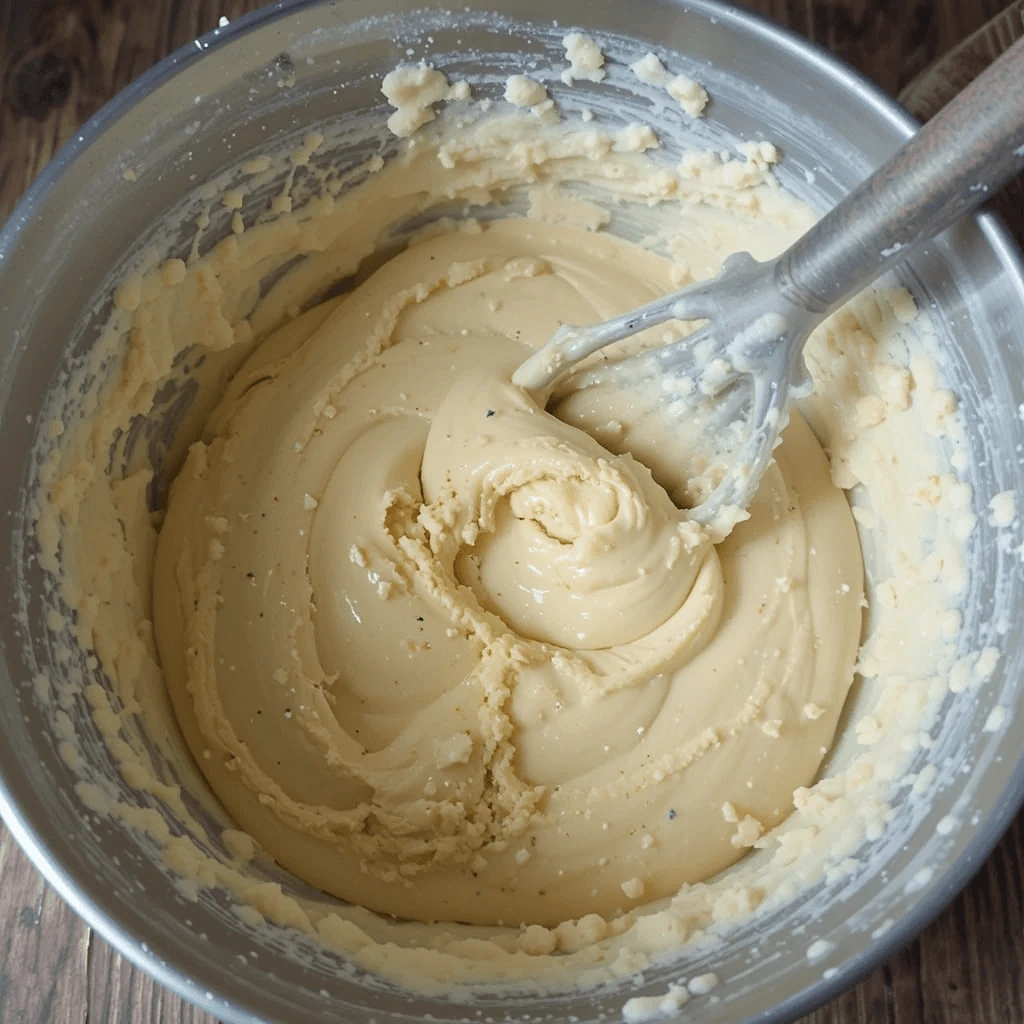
(943, 888)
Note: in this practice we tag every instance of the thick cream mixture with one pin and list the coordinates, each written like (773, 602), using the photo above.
(450, 657)
(446, 656)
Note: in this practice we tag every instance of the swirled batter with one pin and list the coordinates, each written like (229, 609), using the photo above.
(449, 657)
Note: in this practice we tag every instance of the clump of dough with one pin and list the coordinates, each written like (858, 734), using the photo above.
(413, 89)
(586, 61)
(523, 91)
(690, 95)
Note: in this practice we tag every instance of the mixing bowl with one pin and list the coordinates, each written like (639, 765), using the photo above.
(293, 67)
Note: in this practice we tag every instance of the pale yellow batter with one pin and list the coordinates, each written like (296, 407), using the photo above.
(444, 655)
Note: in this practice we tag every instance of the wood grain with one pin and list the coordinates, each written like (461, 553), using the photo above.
(116, 993)
(44, 947)
(60, 60)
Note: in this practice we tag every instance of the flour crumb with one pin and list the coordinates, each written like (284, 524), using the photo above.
(586, 61)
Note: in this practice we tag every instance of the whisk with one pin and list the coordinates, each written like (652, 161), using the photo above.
(737, 374)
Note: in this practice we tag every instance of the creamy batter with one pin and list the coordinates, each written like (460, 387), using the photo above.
(432, 634)
(447, 656)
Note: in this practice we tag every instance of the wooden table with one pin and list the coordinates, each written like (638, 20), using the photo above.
(59, 61)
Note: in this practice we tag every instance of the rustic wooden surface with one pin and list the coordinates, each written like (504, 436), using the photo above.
(59, 61)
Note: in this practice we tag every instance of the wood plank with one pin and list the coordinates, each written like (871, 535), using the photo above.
(59, 61)
(120, 994)
(890, 41)
(44, 947)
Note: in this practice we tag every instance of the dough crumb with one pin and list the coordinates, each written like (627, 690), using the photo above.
(640, 1009)
(690, 95)
(703, 984)
(986, 664)
(256, 165)
(172, 272)
(128, 295)
(413, 89)
(636, 138)
(995, 720)
(633, 888)
(536, 940)
(1003, 509)
(576, 935)
(761, 154)
(819, 949)
(586, 61)
(457, 749)
(523, 91)
(748, 831)
(239, 844)
(650, 69)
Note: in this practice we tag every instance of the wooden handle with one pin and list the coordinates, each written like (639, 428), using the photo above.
(931, 90)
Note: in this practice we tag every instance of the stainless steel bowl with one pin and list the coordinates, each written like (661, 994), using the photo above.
(292, 67)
